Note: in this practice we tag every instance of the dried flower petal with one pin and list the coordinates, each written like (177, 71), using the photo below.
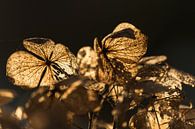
(150, 60)
(43, 65)
(165, 75)
(120, 52)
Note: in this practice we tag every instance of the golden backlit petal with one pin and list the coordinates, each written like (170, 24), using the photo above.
(64, 58)
(124, 30)
(182, 77)
(48, 78)
(34, 70)
(24, 69)
(122, 56)
(120, 43)
(126, 45)
(163, 74)
(96, 46)
(6, 96)
(126, 42)
(59, 52)
(42, 47)
(124, 25)
(151, 60)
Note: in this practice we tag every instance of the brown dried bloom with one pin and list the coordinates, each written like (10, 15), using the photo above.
(43, 64)
(120, 52)
(114, 80)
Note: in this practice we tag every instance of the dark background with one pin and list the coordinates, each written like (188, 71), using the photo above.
(169, 24)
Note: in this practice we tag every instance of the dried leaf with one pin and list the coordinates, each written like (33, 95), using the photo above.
(43, 65)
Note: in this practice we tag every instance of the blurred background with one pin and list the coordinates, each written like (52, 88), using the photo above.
(169, 24)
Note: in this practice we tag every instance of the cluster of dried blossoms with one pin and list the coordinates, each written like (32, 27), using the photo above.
(110, 86)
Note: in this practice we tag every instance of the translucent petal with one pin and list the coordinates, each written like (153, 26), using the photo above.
(123, 26)
(64, 58)
(153, 60)
(125, 45)
(48, 78)
(42, 47)
(24, 69)
(43, 65)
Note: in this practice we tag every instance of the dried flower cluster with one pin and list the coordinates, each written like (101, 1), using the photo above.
(110, 86)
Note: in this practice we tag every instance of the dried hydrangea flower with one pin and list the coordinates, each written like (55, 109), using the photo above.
(43, 64)
(155, 78)
(120, 51)
(155, 113)
(142, 92)
(156, 70)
